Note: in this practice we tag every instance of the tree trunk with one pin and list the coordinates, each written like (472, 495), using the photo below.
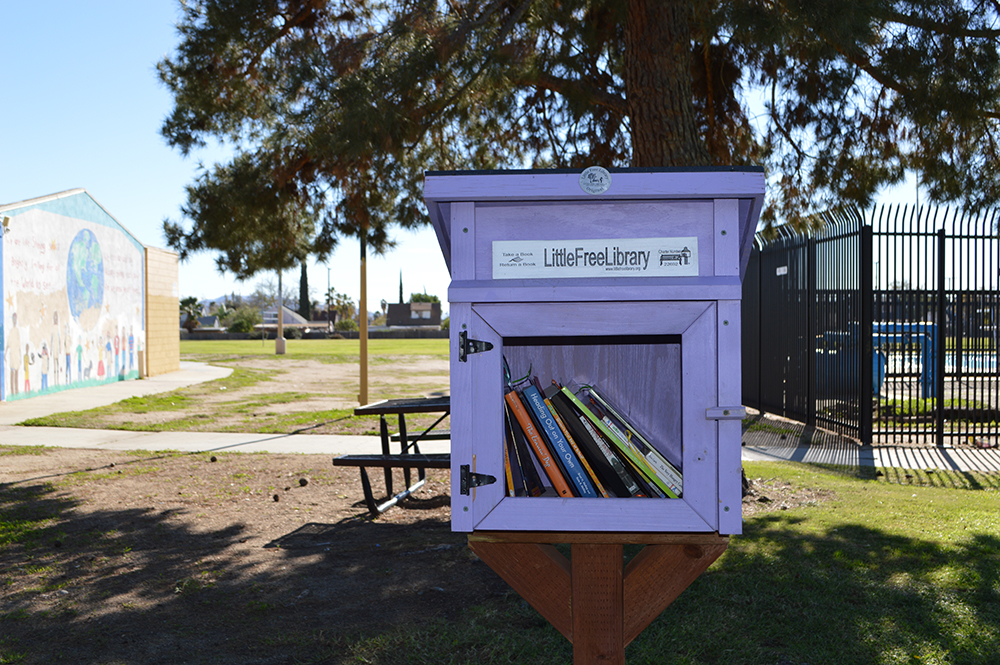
(658, 85)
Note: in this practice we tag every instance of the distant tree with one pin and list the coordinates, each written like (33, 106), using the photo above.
(345, 325)
(305, 309)
(423, 297)
(223, 311)
(192, 308)
(265, 294)
(344, 306)
(244, 319)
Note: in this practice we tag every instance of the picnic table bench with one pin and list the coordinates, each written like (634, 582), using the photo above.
(409, 456)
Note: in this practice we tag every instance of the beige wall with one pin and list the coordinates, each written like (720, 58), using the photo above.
(163, 349)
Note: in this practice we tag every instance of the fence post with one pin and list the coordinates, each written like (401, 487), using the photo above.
(812, 323)
(866, 351)
(939, 339)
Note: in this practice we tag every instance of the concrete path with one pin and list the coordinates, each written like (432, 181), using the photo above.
(190, 373)
(81, 399)
(780, 441)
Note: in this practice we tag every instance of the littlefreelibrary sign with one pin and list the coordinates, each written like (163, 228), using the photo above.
(618, 257)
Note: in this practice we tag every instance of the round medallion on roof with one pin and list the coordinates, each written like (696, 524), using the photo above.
(595, 180)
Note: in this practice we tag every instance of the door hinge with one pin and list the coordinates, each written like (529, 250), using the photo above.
(467, 346)
(470, 479)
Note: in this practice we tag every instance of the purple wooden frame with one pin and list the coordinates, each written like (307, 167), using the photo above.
(719, 207)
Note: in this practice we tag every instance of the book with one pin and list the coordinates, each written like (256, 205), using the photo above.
(669, 473)
(558, 444)
(576, 448)
(613, 474)
(511, 484)
(637, 460)
(520, 458)
(537, 444)
(649, 488)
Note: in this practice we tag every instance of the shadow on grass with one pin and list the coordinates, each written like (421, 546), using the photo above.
(785, 593)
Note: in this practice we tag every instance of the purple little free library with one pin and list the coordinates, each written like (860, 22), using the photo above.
(628, 281)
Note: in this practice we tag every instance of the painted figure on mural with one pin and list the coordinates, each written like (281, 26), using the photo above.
(14, 353)
(118, 369)
(79, 359)
(56, 349)
(107, 349)
(44, 362)
(69, 356)
(100, 357)
(131, 349)
(29, 359)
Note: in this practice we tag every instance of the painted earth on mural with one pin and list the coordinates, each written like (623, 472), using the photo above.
(85, 279)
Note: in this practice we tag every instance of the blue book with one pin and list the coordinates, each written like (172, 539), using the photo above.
(560, 446)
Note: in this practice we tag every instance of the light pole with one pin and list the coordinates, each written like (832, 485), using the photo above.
(279, 339)
(329, 321)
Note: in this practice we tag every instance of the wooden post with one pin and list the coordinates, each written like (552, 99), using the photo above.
(596, 602)
(363, 318)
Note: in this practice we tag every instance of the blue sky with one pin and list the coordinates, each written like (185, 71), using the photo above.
(82, 107)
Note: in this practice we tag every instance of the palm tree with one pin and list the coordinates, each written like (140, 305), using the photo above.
(192, 308)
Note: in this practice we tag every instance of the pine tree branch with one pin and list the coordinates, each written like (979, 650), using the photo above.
(466, 28)
(562, 85)
(937, 27)
(305, 12)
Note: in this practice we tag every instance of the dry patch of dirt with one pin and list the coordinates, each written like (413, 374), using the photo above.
(770, 494)
(244, 559)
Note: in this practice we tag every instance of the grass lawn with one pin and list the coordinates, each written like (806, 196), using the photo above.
(327, 350)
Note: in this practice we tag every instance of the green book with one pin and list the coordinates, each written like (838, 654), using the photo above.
(637, 460)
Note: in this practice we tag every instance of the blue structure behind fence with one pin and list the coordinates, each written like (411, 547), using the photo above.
(881, 326)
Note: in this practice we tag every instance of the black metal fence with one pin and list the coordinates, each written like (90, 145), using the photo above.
(882, 326)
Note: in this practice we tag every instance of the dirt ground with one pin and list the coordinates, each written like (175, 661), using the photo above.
(244, 559)
(227, 558)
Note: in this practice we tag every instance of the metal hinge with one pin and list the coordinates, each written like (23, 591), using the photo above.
(467, 346)
(470, 479)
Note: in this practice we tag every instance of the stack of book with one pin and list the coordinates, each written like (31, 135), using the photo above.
(579, 445)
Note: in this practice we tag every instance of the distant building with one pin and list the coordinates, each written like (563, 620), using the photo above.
(291, 319)
(208, 323)
(427, 314)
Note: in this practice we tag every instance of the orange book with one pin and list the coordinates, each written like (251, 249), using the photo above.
(537, 444)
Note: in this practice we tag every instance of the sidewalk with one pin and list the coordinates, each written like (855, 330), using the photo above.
(779, 441)
(190, 373)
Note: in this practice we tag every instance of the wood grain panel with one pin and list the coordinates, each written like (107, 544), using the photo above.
(657, 575)
(597, 604)
(538, 573)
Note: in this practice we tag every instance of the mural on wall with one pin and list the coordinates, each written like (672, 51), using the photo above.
(72, 298)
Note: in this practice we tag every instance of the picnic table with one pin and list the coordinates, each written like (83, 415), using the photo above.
(409, 456)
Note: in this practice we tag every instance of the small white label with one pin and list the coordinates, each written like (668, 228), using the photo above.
(595, 180)
(595, 257)
(782, 270)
